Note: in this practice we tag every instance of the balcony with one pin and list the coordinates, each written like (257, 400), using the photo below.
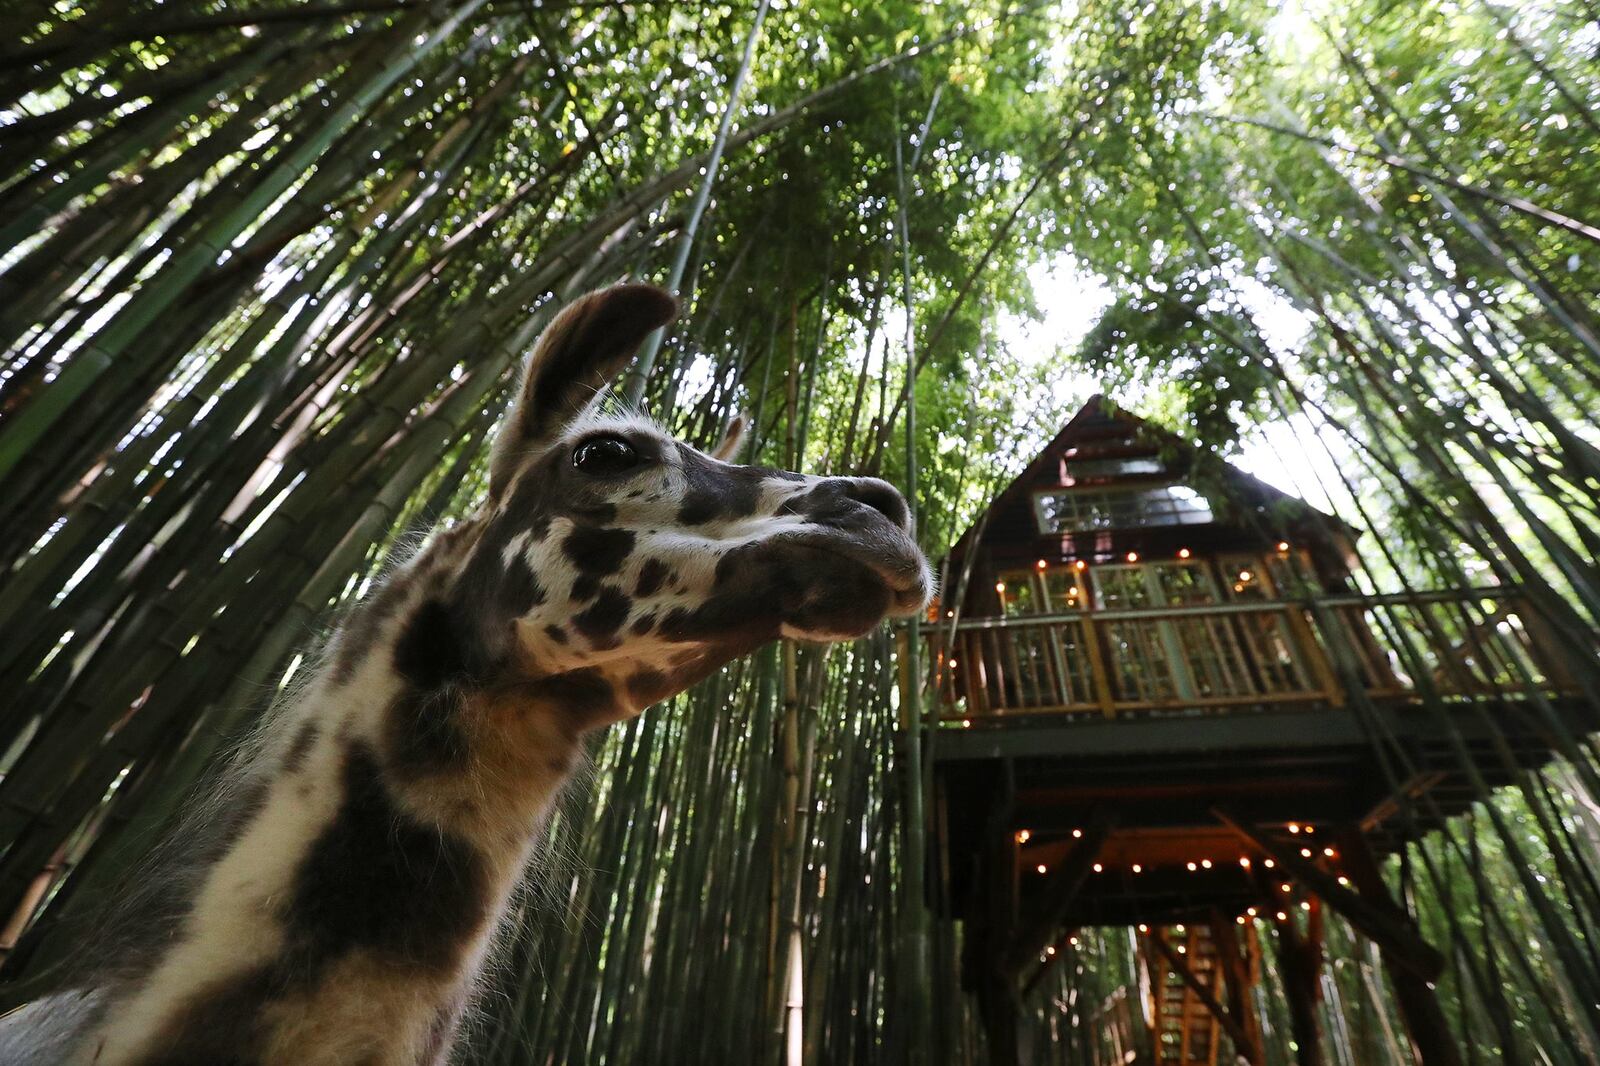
(1464, 644)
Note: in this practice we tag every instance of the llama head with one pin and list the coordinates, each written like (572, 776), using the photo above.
(618, 566)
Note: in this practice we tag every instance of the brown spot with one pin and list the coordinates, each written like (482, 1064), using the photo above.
(649, 686)
(360, 629)
(584, 588)
(584, 694)
(377, 880)
(294, 757)
(652, 576)
(598, 551)
(220, 1024)
(603, 618)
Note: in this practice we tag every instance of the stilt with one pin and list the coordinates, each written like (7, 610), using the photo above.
(1431, 1039)
(983, 962)
(1300, 960)
(998, 1008)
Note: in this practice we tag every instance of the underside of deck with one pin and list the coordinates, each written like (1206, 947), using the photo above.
(1156, 785)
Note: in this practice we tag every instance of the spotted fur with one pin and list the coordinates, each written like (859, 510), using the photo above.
(399, 798)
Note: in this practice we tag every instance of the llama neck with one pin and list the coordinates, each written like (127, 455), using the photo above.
(348, 919)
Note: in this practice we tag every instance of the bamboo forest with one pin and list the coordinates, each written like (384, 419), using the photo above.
(1238, 360)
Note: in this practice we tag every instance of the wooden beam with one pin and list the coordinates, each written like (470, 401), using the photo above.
(1058, 894)
(1097, 668)
(1379, 921)
(1236, 974)
(1391, 805)
(1180, 966)
(1431, 1038)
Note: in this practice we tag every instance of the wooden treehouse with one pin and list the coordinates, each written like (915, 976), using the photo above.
(1167, 707)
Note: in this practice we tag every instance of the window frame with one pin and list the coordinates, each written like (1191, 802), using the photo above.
(1047, 528)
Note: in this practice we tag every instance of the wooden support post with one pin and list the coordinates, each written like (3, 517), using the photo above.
(1300, 962)
(989, 930)
(1236, 973)
(1431, 1039)
(1099, 664)
(1327, 681)
(1229, 1021)
(1041, 928)
(1379, 921)
(998, 1009)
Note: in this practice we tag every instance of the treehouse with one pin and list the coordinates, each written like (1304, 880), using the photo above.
(1166, 705)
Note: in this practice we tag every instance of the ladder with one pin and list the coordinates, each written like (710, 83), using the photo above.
(1186, 1033)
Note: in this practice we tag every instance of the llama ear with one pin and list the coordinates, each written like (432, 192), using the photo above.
(577, 356)
(732, 440)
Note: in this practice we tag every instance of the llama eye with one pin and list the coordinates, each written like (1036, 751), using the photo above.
(604, 455)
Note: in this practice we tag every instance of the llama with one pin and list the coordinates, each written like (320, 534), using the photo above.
(389, 810)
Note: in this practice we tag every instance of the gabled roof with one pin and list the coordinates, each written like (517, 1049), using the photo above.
(1099, 414)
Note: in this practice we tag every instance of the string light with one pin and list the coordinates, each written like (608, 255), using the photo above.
(1206, 863)
(1077, 834)
(1192, 867)
(954, 664)
(1098, 868)
(1311, 829)
(1305, 905)
(1041, 564)
(1051, 950)
(1023, 836)
(1268, 863)
(1244, 860)
(1144, 928)
(1183, 553)
(1000, 587)
(1138, 869)
(1294, 827)
(1282, 917)
(1251, 911)
(1244, 575)
(1283, 546)
(1133, 557)
(1330, 853)
(966, 723)
(1240, 919)
(1305, 853)
(1285, 886)
(1072, 940)
(1345, 881)
(1041, 867)
(1080, 565)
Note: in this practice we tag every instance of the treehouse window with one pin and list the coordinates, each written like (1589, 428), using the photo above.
(1083, 510)
(1128, 466)
(1018, 594)
(1040, 592)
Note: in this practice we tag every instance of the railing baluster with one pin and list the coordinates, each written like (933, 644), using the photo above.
(1134, 659)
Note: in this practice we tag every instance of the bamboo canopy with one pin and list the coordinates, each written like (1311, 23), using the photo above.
(267, 268)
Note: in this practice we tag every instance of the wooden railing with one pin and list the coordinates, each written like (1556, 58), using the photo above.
(1462, 643)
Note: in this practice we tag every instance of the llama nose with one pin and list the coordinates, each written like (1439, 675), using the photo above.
(881, 497)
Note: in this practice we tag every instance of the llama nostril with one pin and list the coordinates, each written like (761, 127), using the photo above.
(881, 497)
